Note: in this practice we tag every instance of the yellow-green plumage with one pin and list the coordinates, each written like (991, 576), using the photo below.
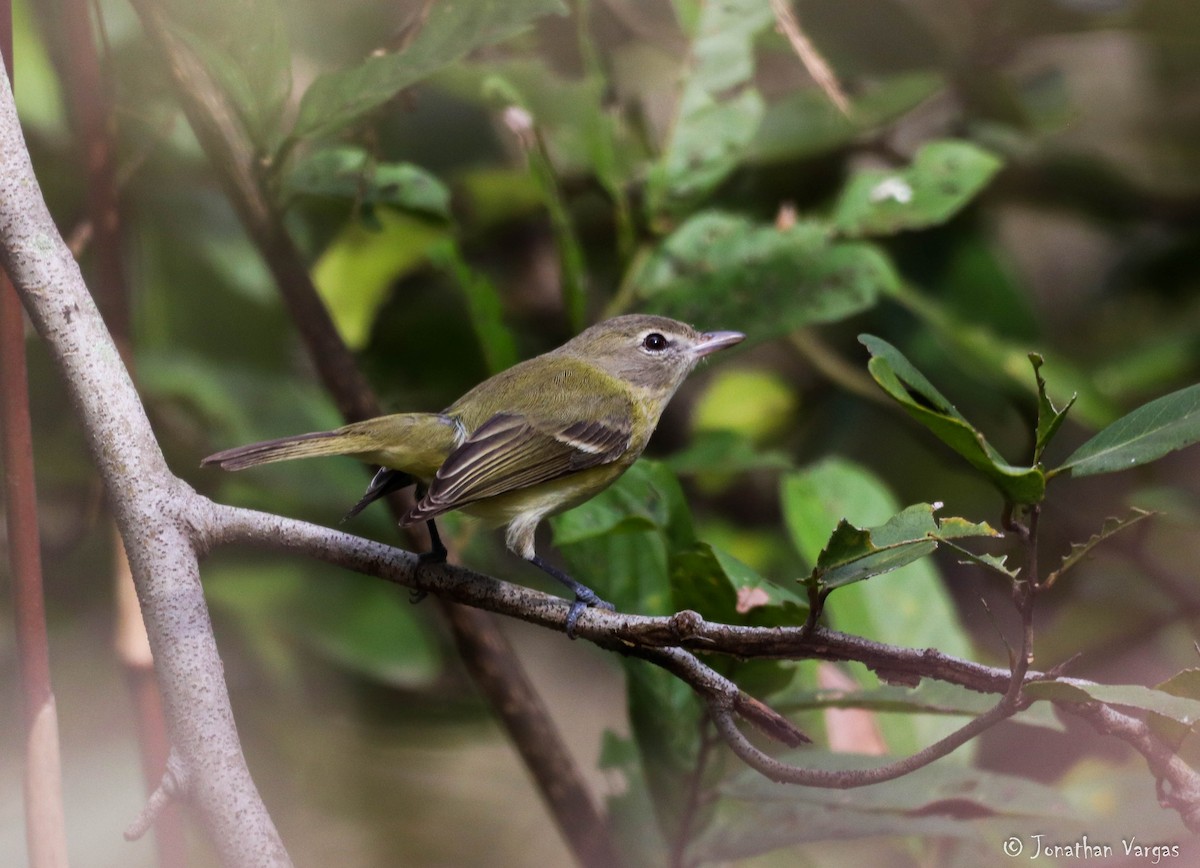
(532, 441)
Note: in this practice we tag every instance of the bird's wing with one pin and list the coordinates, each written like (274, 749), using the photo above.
(511, 452)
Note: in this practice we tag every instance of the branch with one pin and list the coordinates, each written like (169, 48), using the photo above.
(144, 497)
(651, 637)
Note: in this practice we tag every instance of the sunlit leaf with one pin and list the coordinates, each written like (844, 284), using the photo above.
(1145, 434)
(356, 272)
(453, 28)
(927, 405)
(943, 178)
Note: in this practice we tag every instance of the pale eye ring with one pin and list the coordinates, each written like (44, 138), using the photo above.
(655, 342)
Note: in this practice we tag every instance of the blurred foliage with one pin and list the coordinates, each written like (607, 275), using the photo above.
(472, 180)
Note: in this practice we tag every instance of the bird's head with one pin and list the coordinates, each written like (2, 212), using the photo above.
(654, 353)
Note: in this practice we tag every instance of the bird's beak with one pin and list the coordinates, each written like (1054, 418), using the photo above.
(710, 342)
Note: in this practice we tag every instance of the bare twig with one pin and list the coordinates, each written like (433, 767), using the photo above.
(818, 68)
(172, 787)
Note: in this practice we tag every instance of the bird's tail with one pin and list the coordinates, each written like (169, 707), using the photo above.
(284, 449)
(413, 442)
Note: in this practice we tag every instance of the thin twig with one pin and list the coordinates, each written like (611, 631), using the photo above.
(818, 68)
(172, 787)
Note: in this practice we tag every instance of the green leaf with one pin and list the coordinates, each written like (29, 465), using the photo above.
(647, 496)
(942, 179)
(665, 715)
(756, 402)
(1145, 434)
(734, 273)
(722, 588)
(347, 172)
(805, 124)
(361, 625)
(483, 303)
(1049, 418)
(719, 108)
(1079, 551)
(927, 405)
(1182, 709)
(913, 609)
(853, 554)
(725, 452)
(453, 28)
(356, 272)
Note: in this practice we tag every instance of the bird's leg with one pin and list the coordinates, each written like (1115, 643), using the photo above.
(436, 555)
(584, 596)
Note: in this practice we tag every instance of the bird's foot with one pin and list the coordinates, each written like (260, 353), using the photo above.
(416, 595)
(584, 597)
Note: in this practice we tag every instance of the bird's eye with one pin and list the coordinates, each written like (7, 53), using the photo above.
(655, 342)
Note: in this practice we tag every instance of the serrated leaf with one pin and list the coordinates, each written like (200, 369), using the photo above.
(765, 281)
(853, 554)
(943, 178)
(719, 109)
(348, 172)
(913, 609)
(927, 405)
(1079, 551)
(453, 28)
(1049, 418)
(1182, 709)
(1145, 434)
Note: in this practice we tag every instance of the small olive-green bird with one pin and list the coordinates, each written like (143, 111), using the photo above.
(532, 441)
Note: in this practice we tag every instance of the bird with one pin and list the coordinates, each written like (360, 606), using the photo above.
(529, 442)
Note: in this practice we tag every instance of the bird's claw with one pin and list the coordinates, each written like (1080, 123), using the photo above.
(581, 602)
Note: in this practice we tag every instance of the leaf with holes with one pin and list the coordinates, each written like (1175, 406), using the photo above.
(927, 405)
(853, 554)
(943, 178)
